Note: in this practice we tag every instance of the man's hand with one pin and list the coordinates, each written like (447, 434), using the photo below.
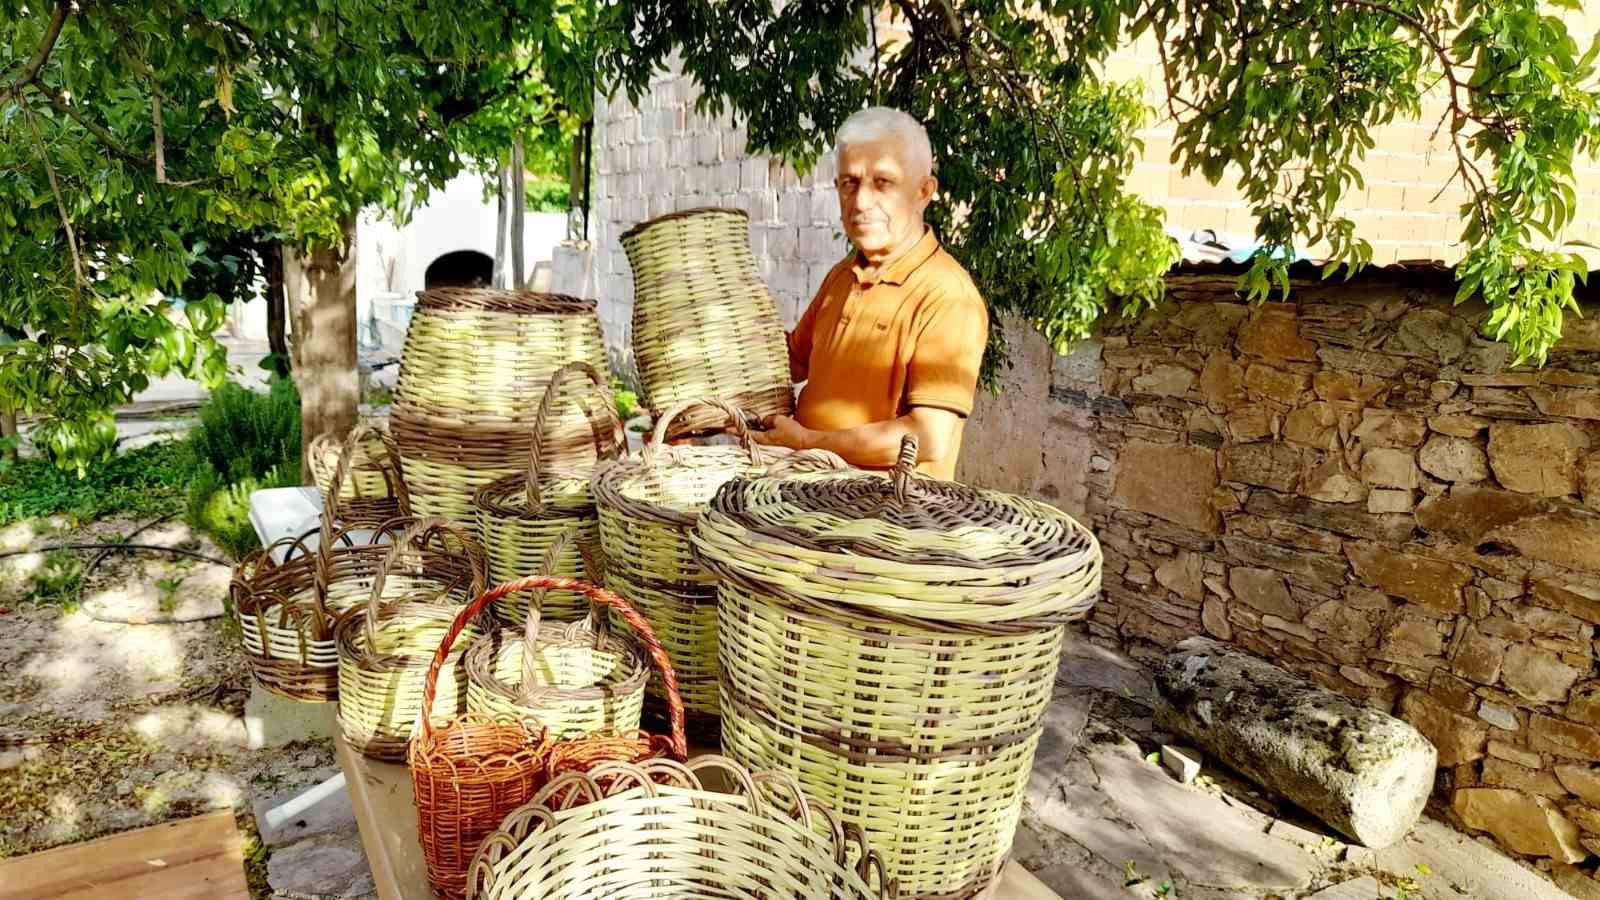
(783, 431)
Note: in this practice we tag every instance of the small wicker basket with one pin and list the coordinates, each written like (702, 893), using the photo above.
(360, 477)
(384, 648)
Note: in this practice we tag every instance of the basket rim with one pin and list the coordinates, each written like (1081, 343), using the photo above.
(691, 213)
(503, 300)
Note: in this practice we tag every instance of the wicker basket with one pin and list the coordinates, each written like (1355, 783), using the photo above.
(575, 679)
(949, 602)
(648, 507)
(664, 832)
(360, 476)
(286, 610)
(520, 516)
(467, 775)
(384, 648)
(475, 364)
(704, 323)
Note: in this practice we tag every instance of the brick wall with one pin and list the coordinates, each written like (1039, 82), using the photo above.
(661, 157)
(1359, 488)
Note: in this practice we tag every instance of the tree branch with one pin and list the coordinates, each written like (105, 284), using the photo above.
(52, 33)
(61, 204)
(60, 104)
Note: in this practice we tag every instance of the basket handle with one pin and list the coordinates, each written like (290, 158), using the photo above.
(736, 419)
(604, 448)
(599, 596)
(347, 456)
(530, 629)
(905, 470)
(416, 536)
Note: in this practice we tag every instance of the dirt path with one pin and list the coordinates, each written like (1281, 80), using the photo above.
(110, 726)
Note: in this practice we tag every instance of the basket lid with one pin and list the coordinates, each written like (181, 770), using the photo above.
(906, 545)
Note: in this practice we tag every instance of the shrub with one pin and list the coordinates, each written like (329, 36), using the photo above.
(222, 510)
(145, 482)
(246, 434)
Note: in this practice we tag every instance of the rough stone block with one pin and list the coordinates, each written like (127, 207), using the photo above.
(1537, 675)
(1387, 467)
(1526, 824)
(1364, 773)
(1434, 583)
(1537, 459)
(1454, 459)
(1458, 739)
(1170, 482)
(1182, 762)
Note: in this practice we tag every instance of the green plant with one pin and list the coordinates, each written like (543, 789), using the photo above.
(245, 434)
(142, 483)
(168, 601)
(59, 582)
(549, 195)
(222, 510)
(627, 401)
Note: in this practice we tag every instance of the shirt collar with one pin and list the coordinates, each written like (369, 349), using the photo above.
(899, 269)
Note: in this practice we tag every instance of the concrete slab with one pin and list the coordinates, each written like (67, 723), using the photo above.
(331, 813)
(273, 721)
(1460, 868)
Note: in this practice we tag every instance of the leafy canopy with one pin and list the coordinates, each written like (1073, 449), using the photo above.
(1036, 145)
(145, 147)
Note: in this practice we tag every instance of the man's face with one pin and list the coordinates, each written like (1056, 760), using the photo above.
(881, 200)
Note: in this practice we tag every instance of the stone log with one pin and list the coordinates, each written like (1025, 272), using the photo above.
(1365, 773)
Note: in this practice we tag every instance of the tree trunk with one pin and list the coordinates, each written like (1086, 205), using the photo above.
(500, 227)
(8, 429)
(519, 203)
(325, 341)
(277, 316)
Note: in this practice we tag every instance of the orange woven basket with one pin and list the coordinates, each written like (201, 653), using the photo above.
(468, 775)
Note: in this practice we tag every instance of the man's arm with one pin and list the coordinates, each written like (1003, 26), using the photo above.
(875, 445)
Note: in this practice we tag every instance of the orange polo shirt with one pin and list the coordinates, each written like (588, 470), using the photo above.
(870, 350)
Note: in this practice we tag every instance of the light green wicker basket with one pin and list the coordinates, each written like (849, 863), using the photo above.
(664, 830)
(575, 678)
(648, 506)
(520, 516)
(384, 647)
(475, 365)
(895, 643)
(359, 477)
(704, 323)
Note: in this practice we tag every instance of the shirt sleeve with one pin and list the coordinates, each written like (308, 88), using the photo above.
(800, 338)
(950, 342)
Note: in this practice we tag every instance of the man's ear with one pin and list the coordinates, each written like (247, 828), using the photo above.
(930, 187)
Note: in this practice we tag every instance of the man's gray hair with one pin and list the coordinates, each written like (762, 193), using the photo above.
(876, 123)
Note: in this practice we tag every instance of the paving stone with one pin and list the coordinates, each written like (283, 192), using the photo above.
(331, 864)
(1364, 888)
(331, 813)
(1462, 868)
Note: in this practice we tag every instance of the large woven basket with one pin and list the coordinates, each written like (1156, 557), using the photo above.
(475, 365)
(704, 323)
(575, 678)
(948, 601)
(666, 830)
(384, 648)
(648, 506)
(520, 516)
(467, 775)
(286, 610)
(360, 477)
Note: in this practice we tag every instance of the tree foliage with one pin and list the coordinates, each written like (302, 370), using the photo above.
(1036, 145)
(143, 144)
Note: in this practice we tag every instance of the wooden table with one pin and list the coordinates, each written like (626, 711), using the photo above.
(381, 793)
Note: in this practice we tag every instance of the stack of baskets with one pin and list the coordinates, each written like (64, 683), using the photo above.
(648, 505)
(895, 644)
(520, 517)
(476, 362)
(469, 773)
(704, 323)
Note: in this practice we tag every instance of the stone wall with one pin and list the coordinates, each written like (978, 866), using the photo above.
(1359, 488)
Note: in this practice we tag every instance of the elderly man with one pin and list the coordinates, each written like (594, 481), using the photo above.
(892, 341)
